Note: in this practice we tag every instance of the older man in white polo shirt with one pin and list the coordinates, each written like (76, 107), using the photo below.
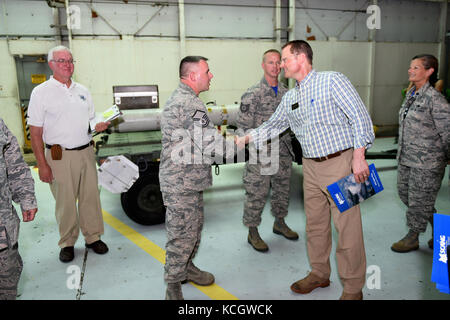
(58, 115)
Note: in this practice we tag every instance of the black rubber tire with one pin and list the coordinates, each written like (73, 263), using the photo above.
(143, 202)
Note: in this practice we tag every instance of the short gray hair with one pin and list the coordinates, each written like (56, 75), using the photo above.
(57, 49)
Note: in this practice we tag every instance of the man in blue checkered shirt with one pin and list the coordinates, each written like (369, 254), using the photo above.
(334, 129)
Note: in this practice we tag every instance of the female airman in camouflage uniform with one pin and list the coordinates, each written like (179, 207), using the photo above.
(423, 149)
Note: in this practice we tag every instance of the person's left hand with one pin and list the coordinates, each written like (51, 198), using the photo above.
(360, 167)
(102, 126)
(29, 215)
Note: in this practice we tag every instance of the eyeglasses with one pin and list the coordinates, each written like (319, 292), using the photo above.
(63, 61)
(285, 59)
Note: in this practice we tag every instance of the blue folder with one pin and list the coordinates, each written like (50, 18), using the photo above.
(346, 193)
(441, 238)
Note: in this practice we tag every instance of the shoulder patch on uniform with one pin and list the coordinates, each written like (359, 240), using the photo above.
(200, 118)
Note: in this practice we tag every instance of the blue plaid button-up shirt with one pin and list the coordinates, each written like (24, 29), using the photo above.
(325, 113)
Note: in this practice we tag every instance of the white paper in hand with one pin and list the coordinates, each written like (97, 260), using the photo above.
(117, 174)
(107, 115)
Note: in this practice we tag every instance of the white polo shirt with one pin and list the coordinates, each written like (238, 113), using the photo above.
(64, 113)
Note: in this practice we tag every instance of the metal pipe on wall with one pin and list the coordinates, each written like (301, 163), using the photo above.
(223, 4)
(442, 35)
(69, 25)
(58, 33)
(291, 27)
(278, 23)
(291, 30)
(372, 52)
(182, 28)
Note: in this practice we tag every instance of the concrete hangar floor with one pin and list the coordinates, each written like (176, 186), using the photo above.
(133, 267)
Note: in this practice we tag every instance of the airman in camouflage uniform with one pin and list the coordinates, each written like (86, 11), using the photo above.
(189, 140)
(258, 103)
(16, 184)
(423, 151)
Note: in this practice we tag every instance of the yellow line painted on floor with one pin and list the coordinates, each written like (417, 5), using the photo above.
(135, 237)
(213, 291)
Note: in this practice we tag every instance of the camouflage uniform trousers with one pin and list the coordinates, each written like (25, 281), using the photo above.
(418, 189)
(11, 266)
(184, 223)
(257, 188)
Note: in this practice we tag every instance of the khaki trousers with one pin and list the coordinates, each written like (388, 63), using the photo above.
(350, 252)
(75, 178)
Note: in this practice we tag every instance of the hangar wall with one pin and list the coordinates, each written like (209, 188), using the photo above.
(127, 48)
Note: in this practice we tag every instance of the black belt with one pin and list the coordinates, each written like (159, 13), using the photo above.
(73, 149)
(330, 156)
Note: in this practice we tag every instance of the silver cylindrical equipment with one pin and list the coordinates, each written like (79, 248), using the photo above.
(150, 119)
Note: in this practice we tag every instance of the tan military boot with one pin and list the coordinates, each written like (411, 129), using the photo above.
(255, 240)
(197, 276)
(280, 227)
(174, 292)
(409, 242)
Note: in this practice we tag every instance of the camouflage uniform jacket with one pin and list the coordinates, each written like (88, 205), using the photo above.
(16, 184)
(258, 104)
(189, 141)
(424, 132)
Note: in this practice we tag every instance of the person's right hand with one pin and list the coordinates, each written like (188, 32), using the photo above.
(240, 142)
(45, 173)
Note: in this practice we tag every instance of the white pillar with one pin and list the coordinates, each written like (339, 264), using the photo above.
(372, 56)
(278, 23)
(69, 27)
(442, 33)
(291, 29)
(182, 29)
